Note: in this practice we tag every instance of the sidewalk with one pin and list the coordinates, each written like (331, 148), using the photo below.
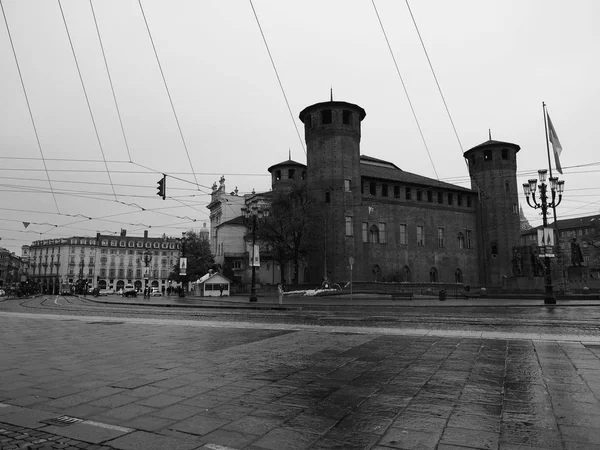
(361, 300)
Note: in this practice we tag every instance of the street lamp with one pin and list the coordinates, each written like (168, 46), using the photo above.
(81, 285)
(253, 213)
(556, 186)
(147, 257)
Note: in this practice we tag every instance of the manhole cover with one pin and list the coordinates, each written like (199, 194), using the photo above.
(62, 421)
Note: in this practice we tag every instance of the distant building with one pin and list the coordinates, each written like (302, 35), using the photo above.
(138, 260)
(10, 268)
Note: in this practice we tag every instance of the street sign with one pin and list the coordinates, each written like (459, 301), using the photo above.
(182, 266)
(351, 262)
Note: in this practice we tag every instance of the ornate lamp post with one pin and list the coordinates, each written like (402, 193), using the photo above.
(556, 186)
(252, 215)
(147, 257)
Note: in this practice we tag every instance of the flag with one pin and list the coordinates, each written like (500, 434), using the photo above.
(555, 144)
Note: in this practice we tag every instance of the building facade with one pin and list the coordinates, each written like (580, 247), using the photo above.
(10, 269)
(139, 260)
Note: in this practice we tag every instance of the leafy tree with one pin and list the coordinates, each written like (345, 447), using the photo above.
(199, 258)
(286, 232)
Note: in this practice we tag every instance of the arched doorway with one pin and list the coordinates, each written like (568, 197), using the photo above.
(406, 275)
(120, 285)
(138, 285)
(154, 284)
(102, 284)
(377, 272)
(458, 276)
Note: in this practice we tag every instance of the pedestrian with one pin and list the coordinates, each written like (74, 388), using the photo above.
(221, 290)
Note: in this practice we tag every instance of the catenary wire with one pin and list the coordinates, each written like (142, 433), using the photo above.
(278, 78)
(112, 88)
(405, 89)
(37, 137)
(168, 92)
(87, 99)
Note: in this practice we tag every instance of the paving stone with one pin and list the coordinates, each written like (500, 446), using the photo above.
(150, 441)
(198, 425)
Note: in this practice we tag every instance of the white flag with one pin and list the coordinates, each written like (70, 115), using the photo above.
(555, 144)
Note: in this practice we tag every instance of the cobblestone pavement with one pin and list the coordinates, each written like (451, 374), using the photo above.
(131, 383)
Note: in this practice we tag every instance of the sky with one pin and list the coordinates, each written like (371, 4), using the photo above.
(191, 92)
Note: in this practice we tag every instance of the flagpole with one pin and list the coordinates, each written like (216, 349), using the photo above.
(556, 238)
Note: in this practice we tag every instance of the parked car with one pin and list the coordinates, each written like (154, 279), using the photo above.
(129, 291)
(103, 292)
(155, 292)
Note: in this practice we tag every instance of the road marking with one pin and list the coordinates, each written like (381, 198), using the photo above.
(314, 328)
(108, 426)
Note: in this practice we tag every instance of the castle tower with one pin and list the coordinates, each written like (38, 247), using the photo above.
(332, 133)
(493, 171)
(287, 174)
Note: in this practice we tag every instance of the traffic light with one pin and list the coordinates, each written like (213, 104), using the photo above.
(162, 187)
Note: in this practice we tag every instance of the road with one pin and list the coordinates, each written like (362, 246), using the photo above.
(309, 377)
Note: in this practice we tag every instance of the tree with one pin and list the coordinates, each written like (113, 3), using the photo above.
(199, 258)
(286, 232)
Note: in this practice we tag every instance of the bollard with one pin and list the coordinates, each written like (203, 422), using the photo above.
(442, 295)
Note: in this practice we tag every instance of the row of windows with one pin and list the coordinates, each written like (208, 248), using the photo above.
(139, 244)
(121, 273)
(326, 117)
(410, 193)
(406, 274)
(133, 252)
(376, 234)
(488, 156)
(291, 174)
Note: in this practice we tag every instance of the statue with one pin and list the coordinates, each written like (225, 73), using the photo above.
(576, 255)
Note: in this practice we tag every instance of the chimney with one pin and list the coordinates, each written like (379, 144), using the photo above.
(145, 234)
(123, 232)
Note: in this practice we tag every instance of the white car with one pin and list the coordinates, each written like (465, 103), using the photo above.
(155, 292)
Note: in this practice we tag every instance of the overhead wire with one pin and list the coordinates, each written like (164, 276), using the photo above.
(168, 92)
(278, 78)
(87, 100)
(405, 89)
(112, 88)
(37, 137)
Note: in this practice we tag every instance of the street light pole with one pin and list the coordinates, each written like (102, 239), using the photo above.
(556, 186)
(147, 257)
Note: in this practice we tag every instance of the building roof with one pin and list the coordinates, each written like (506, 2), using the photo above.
(239, 220)
(378, 168)
(576, 222)
(209, 276)
(492, 143)
(289, 162)
(332, 104)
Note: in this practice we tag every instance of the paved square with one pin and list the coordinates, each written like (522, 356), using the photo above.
(153, 384)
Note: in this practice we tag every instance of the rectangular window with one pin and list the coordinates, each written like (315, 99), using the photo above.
(419, 195)
(327, 197)
(440, 237)
(349, 227)
(420, 236)
(469, 239)
(372, 188)
(347, 185)
(138, 273)
(429, 196)
(459, 200)
(396, 191)
(103, 273)
(365, 232)
(407, 193)
(468, 201)
(381, 233)
(450, 199)
(291, 174)
(384, 190)
(326, 116)
(346, 115)
(403, 240)
(440, 197)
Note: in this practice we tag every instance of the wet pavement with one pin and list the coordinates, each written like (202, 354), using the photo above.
(144, 383)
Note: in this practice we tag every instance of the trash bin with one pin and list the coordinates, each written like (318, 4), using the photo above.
(442, 295)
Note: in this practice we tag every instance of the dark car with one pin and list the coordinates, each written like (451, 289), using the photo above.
(129, 291)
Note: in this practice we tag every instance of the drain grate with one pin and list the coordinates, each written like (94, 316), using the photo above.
(62, 421)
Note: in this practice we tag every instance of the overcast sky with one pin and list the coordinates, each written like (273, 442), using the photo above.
(496, 62)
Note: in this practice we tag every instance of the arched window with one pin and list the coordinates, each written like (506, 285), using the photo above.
(433, 275)
(506, 186)
(458, 276)
(461, 240)
(406, 275)
(374, 235)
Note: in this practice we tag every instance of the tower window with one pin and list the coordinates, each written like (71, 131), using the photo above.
(326, 116)
(407, 193)
(291, 174)
(349, 226)
(433, 275)
(347, 185)
(504, 153)
(487, 155)
(277, 175)
(440, 197)
(327, 197)
(450, 199)
(396, 191)
(429, 196)
(346, 116)
(459, 200)
(374, 235)
(506, 186)
(384, 190)
(469, 201)
(304, 174)
(461, 240)
(420, 236)
(372, 188)
(419, 195)
(365, 233)
(308, 121)
(494, 249)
